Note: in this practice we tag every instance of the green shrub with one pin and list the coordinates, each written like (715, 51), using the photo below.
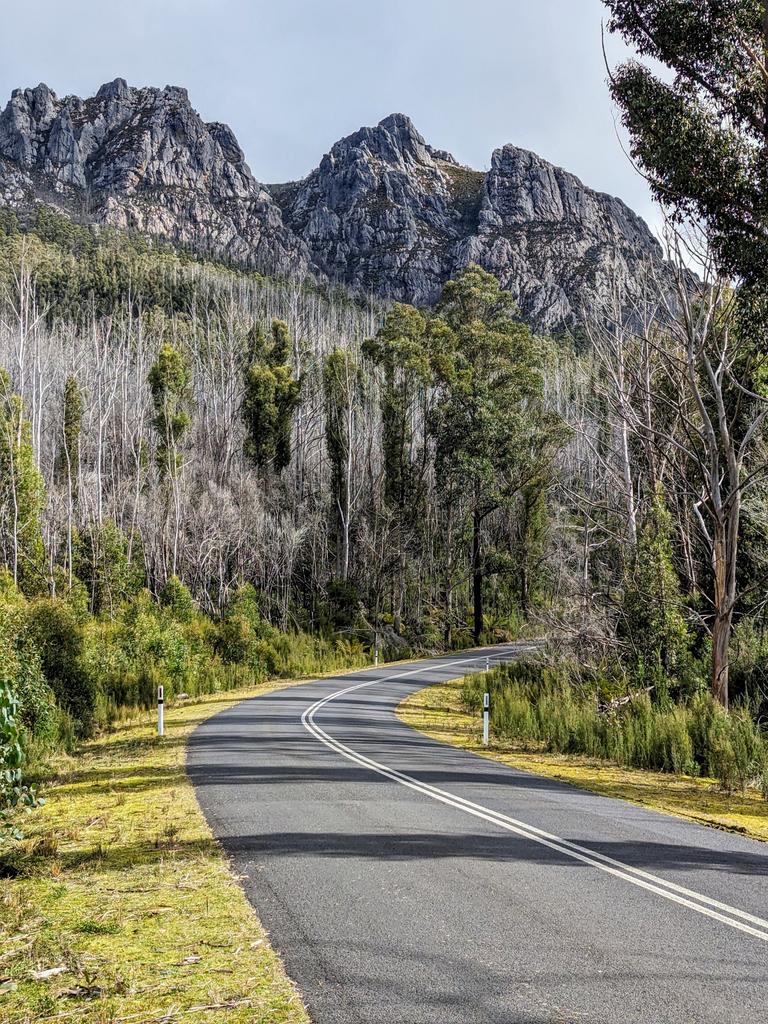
(234, 640)
(265, 661)
(21, 672)
(176, 598)
(540, 706)
(14, 793)
(102, 563)
(57, 636)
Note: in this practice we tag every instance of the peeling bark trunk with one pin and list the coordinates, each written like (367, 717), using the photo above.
(477, 578)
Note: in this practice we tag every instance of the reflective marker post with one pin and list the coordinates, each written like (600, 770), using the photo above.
(487, 664)
(160, 721)
(486, 716)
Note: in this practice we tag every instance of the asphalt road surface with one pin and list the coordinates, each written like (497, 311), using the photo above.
(406, 882)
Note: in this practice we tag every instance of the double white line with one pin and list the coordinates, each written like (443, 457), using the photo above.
(735, 918)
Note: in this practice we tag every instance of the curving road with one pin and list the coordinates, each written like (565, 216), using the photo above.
(406, 882)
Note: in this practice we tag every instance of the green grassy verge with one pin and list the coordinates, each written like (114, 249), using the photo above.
(119, 907)
(438, 712)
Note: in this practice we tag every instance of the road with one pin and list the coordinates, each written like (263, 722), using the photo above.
(407, 882)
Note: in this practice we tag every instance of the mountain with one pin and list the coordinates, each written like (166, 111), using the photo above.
(143, 159)
(384, 211)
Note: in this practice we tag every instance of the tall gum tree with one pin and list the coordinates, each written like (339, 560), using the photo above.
(701, 139)
(401, 352)
(170, 384)
(271, 396)
(342, 392)
(493, 435)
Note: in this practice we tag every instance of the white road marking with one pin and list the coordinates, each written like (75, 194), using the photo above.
(636, 876)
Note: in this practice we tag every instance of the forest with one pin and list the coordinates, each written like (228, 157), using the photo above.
(208, 475)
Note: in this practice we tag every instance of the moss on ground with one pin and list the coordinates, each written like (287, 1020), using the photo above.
(121, 895)
(437, 711)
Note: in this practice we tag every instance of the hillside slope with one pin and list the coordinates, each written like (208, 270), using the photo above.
(383, 212)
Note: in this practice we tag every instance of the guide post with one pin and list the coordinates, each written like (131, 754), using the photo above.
(160, 716)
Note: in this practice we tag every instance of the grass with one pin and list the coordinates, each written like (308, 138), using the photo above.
(438, 712)
(119, 906)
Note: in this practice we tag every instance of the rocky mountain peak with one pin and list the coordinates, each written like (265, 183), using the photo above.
(117, 90)
(148, 163)
(383, 211)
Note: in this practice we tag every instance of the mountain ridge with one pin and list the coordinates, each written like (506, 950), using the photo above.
(383, 212)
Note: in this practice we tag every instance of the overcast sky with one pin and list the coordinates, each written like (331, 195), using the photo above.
(293, 76)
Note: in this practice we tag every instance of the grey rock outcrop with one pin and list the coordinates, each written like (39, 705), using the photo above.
(381, 213)
(143, 159)
(384, 212)
(555, 244)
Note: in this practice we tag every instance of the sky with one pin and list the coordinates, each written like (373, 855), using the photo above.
(293, 76)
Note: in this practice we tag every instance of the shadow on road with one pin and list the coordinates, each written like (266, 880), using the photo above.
(503, 848)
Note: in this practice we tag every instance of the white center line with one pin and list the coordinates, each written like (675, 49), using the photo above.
(732, 916)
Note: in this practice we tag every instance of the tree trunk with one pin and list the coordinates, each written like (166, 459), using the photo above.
(721, 634)
(723, 566)
(477, 578)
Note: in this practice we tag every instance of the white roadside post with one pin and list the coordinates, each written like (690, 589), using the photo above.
(160, 718)
(487, 664)
(486, 716)
(376, 658)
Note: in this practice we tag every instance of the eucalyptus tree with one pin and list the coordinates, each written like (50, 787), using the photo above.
(492, 434)
(701, 136)
(271, 397)
(342, 388)
(400, 348)
(170, 385)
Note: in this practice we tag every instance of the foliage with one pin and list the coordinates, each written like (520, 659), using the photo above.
(653, 621)
(176, 598)
(701, 137)
(104, 562)
(493, 435)
(543, 706)
(14, 793)
(527, 565)
(401, 350)
(68, 462)
(20, 668)
(57, 635)
(25, 706)
(170, 382)
(342, 389)
(270, 399)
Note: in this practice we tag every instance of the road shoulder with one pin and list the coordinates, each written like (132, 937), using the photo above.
(120, 905)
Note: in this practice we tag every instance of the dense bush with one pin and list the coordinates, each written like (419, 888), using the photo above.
(69, 673)
(542, 706)
(20, 670)
(26, 705)
(14, 792)
(55, 631)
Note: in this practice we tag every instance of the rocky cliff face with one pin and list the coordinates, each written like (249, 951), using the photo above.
(383, 212)
(143, 159)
